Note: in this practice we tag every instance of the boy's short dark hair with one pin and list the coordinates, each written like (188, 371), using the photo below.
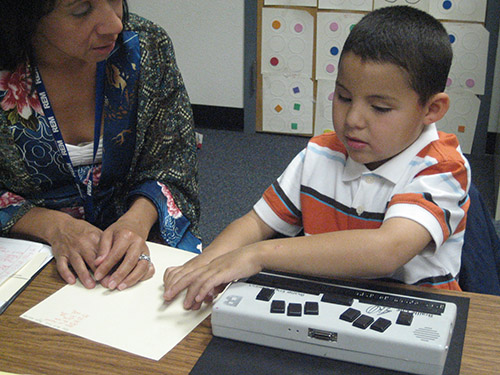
(19, 21)
(409, 38)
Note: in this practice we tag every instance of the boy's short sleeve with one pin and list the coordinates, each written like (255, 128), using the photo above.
(280, 206)
(442, 208)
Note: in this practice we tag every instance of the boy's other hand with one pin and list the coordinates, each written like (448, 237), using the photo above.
(204, 280)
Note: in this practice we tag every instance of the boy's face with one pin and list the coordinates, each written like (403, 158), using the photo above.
(375, 112)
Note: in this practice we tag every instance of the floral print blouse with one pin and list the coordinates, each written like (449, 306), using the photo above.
(148, 143)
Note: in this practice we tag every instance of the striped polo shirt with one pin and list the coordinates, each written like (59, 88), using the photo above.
(323, 190)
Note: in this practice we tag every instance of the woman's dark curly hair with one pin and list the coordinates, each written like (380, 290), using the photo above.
(18, 23)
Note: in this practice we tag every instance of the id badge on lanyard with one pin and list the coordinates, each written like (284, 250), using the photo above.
(87, 196)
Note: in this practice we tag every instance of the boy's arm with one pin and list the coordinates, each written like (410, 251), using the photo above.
(351, 253)
(243, 231)
(354, 253)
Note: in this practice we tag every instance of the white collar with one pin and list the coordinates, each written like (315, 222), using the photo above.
(391, 169)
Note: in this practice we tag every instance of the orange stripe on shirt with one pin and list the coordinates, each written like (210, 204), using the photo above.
(448, 156)
(329, 140)
(452, 285)
(328, 219)
(279, 208)
(418, 199)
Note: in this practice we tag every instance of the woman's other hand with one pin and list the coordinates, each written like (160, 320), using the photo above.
(74, 242)
(122, 259)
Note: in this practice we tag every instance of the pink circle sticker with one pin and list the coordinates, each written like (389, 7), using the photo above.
(299, 28)
(334, 26)
(330, 68)
(449, 82)
(470, 83)
(330, 97)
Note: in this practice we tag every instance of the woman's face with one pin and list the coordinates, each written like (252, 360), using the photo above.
(78, 31)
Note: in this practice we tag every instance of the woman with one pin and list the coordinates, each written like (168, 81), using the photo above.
(97, 146)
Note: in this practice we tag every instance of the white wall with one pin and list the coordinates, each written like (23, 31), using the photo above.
(208, 37)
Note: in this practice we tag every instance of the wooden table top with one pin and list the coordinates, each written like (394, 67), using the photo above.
(30, 348)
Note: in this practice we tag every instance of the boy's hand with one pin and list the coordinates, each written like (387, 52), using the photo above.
(173, 274)
(205, 280)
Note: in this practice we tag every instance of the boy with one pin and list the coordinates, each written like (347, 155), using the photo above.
(384, 196)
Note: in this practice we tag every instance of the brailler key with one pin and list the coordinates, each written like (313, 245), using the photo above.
(278, 307)
(405, 318)
(350, 315)
(363, 321)
(381, 325)
(337, 299)
(311, 308)
(294, 309)
(265, 294)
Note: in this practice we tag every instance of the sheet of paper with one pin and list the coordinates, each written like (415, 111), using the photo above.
(363, 5)
(16, 283)
(459, 10)
(287, 104)
(14, 254)
(470, 56)
(324, 97)
(306, 3)
(419, 4)
(332, 31)
(135, 320)
(287, 41)
(461, 118)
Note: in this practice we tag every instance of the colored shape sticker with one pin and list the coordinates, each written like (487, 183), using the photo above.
(461, 129)
(330, 97)
(470, 83)
(276, 25)
(299, 28)
(330, 68)
(334, 26)
(295, 126)
(296, 107)
(453, 38)
(334, 51)
(449, 82)
(296, 90)
(278, 108)
(274, 61)
(447, 5)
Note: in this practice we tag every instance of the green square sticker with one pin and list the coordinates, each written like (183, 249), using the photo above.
(296, 107)
(295, 126)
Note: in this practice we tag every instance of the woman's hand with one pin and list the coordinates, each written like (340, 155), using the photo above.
(74, 242)
(75, 246)
(118, 265)
(122, 243)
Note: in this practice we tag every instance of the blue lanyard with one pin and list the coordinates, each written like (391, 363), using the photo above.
(87, 197)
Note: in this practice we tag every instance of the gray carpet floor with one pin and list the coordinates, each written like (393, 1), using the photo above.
(236, 168)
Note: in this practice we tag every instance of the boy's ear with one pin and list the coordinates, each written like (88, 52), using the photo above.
(436, 108)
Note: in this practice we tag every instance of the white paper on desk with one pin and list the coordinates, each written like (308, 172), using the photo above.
(37, 256)
(135, 320)
(14, 254)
